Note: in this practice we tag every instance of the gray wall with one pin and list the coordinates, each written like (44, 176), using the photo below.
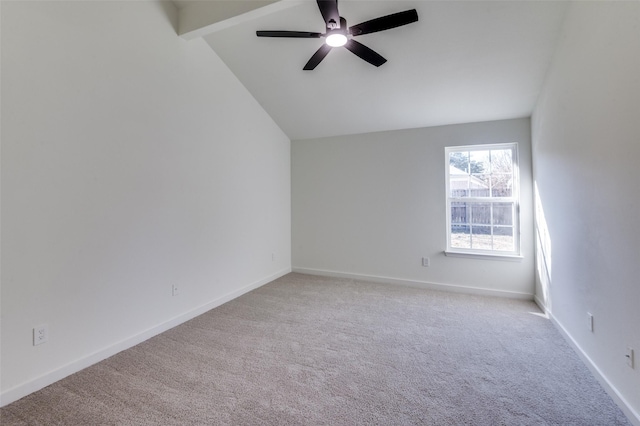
(373, 205)
(586, 146)
(132, 160)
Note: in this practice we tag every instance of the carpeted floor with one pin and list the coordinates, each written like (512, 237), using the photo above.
(326, 351)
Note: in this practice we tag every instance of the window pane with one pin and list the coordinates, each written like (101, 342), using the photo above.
(479, 162)
(460, 236)
(481, 213)
(479, 186)
(481, 237)
(503, 214)
(502, 172)
(502, 161)
(503, 238)
(501, 185)
(459, 213)
(458, 184)
(459, 161)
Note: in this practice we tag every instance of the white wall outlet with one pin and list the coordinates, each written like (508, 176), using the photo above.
(273, 257)
(40, 334)
(426, 262)
(590, 321)
(175, 290)
(629, 357)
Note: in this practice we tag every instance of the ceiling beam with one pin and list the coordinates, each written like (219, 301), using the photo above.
(200, 18)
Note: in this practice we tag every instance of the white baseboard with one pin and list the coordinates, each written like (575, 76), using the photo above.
(417, 284)
(47, 379)
(632, 415)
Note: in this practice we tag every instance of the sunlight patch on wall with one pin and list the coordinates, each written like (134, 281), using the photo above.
(543, 249)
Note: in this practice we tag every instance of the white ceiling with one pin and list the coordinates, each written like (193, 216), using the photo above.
(461, 62)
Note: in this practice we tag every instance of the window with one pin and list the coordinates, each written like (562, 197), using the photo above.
(483, 200)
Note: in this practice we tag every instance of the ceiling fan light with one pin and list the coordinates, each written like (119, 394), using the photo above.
(336, 39)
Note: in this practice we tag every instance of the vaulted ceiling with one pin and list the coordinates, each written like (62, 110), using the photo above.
(463, 61)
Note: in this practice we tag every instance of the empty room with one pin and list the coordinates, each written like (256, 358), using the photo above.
(312, 212)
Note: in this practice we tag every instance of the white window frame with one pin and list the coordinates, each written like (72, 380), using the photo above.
(515, 254)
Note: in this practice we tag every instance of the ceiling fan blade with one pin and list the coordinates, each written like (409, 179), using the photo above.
(365, 53)
(329, 10)
(317, 57)
(385, 22)
(294, 34)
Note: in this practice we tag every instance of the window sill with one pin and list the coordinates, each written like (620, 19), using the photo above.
(488, 256)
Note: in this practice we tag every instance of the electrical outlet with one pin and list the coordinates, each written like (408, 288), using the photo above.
(273, 257)
(175, 290)
(40, 334)
(629, 357)
(426, 262)
(590, 321)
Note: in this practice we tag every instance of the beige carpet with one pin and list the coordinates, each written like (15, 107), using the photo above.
(320, 351)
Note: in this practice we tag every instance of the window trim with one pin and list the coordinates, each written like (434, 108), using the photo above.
(488, 255)
(514, 255)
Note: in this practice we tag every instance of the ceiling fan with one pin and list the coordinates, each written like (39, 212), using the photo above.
(338, 34)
